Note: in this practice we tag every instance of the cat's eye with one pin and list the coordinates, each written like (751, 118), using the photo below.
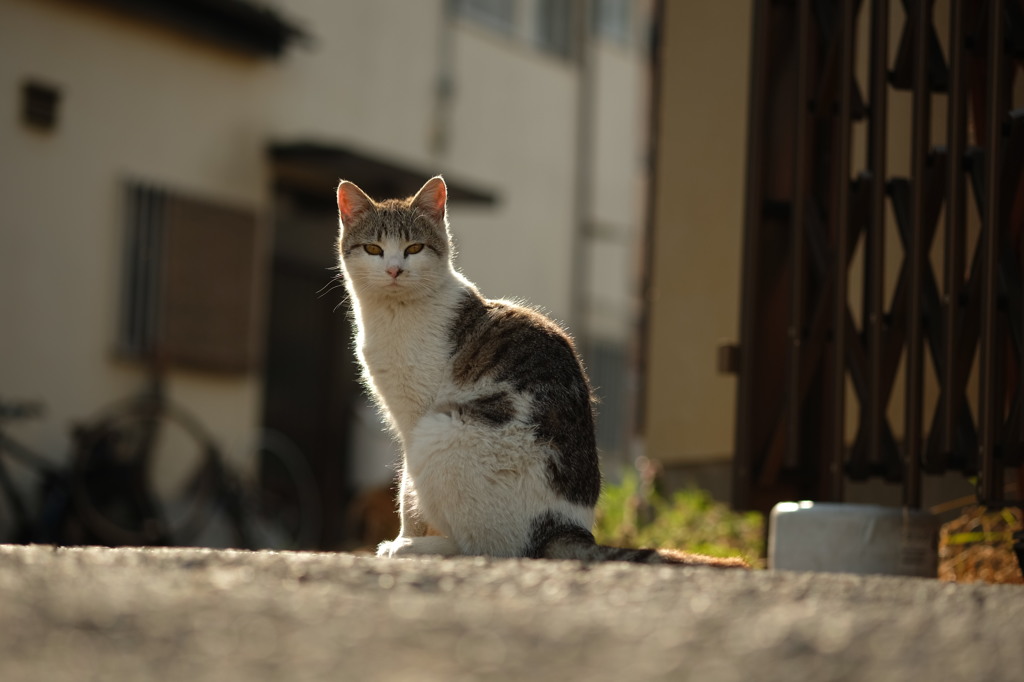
(373, 249)
(414, 248)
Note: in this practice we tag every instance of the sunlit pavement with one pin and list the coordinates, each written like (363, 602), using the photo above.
(193, 615)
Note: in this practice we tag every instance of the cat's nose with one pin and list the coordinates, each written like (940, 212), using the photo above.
(394, 271)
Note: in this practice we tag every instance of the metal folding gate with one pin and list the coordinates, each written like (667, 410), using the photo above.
(857, 359)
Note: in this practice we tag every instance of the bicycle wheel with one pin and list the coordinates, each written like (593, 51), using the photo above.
(284, 508)
(142, 476)
(34, 492)
(13, 513)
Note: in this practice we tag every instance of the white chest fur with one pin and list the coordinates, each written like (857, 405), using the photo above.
(406, 349)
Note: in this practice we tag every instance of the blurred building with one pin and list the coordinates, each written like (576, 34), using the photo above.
(167, 174)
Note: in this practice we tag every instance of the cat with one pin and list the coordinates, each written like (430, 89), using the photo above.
(488, 398)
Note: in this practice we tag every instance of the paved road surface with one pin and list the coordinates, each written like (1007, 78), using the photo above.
(197, 615)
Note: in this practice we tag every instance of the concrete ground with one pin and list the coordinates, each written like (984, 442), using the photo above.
(196, 615)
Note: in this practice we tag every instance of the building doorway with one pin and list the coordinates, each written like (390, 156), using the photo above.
(310, 376)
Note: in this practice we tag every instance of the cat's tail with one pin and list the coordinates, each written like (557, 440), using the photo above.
(580, 545)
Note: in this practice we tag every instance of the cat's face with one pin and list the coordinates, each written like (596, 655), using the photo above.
(396, 249)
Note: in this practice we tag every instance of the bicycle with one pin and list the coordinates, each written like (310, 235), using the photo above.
(53, 484)
(146, 472)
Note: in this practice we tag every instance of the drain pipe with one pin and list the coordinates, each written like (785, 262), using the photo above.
(444, 84)
(583, 167)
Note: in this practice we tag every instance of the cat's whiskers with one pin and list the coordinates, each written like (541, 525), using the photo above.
(333, 285)
(337, 278)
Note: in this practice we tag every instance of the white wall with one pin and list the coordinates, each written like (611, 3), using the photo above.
(513, 128)
(617, 189)
(365, 79)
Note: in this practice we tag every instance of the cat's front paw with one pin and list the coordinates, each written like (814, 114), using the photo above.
(431, 544)
(393, 548)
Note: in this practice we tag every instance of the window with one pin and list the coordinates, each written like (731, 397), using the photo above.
(39, 105)
(608, 367)
(499, 15)
(190, 281)
(547, 25)
(555, 27)
(612, 20)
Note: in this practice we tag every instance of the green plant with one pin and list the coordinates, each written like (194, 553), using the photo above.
(631, 515)
(978, 545)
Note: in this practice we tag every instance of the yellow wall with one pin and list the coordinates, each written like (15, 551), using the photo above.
(697, 229)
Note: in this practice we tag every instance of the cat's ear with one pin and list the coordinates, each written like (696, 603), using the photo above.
(432, 199)
(352, 202)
